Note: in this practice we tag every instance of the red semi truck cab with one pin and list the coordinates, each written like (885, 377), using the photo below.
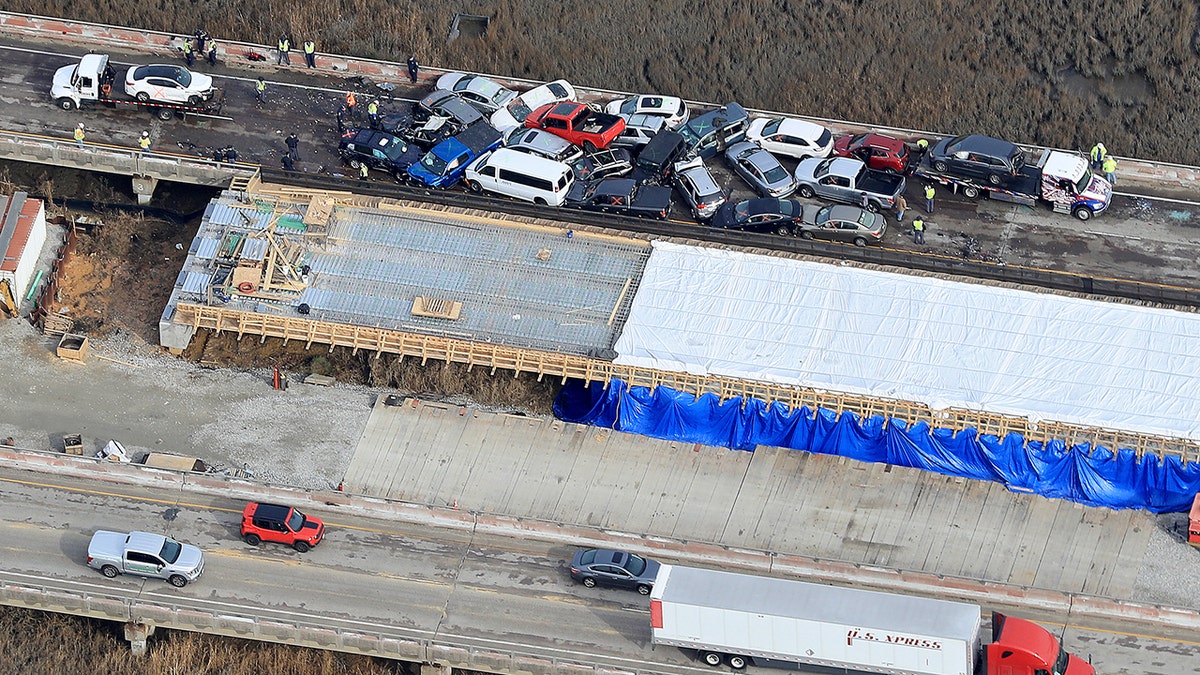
(1021, 647)
(1194, 523)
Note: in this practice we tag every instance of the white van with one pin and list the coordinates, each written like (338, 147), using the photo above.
(521, 175)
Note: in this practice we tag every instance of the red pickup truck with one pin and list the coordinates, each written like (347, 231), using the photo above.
(577, 123)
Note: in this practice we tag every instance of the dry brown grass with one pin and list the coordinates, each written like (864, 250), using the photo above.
(1046, 71)
(75, 645)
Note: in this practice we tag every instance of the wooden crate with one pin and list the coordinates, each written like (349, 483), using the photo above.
(73, 444)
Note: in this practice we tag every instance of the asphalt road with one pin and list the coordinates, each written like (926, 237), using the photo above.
(399, 578)
(1138, 238)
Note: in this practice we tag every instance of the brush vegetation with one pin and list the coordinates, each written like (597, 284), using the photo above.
(1035, 71)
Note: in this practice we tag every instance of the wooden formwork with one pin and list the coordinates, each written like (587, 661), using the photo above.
(567, 366)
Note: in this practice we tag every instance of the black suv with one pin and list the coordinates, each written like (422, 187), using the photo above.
(983, 157)
(378, 150)
(656, 161)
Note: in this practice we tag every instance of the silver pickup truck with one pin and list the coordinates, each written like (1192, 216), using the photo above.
(846, 180)
(145, 554)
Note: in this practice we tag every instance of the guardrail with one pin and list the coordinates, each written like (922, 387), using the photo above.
(25, 147)
(374, 639)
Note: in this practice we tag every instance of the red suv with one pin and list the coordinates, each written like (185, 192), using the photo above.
(282, 524)
(875, 150)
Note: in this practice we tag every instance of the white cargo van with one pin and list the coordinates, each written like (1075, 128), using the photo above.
(522, 176)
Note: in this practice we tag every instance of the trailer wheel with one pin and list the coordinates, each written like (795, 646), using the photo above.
(109, 571)
(1082, 213)
(165, 114)
(970, 192)
(66, 104)
(711, 658)
(940, 166)
(737, 662)
(143, 97)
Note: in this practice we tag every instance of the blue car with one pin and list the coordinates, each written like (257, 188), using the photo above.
(445, 164)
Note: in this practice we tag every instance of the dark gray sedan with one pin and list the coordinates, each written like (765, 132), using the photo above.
(604, 567)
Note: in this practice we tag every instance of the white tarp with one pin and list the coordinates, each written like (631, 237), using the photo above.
(943, 343)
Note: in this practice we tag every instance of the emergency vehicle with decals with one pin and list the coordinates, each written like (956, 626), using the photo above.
(163, 90)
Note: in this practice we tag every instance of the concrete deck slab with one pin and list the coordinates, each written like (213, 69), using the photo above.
(773, 499)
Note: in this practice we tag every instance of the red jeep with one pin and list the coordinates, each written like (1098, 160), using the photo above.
(875, 150)
(282, 524)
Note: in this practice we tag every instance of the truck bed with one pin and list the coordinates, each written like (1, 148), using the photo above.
(598, 123)
(880, 183)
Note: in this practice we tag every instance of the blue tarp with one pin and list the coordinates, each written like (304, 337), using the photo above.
(1087, 474)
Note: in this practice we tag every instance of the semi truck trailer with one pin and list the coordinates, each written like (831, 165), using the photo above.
(740, 620)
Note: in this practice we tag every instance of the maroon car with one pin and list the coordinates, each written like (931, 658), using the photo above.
(877, 151)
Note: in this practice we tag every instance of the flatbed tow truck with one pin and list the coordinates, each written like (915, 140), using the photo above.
(1060, 179)
(93, 81)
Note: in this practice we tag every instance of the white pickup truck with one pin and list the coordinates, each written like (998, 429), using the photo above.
(145, 554)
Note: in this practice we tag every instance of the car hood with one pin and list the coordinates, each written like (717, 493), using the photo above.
(62, 80)
(1099, 189)
(808, 214)
(939, 149)
(190, 558)
(808, 167)
(841, 144)
(578, 190)
(201, 82)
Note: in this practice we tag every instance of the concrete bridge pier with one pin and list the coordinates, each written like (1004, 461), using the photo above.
(143, 187)
(435, 669)
(139, 633)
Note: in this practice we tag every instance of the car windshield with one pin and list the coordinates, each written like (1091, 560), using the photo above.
(518, 109)
(629, 106)
(822, 168)
(856, 142)
(636, 565)
(1084, 182)
(436, 165)
(771, 128)
(170, 550)
(500, 95)
(182, 76)
(394, 148)
(295, 521)
(776, 174)
(826, 136)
